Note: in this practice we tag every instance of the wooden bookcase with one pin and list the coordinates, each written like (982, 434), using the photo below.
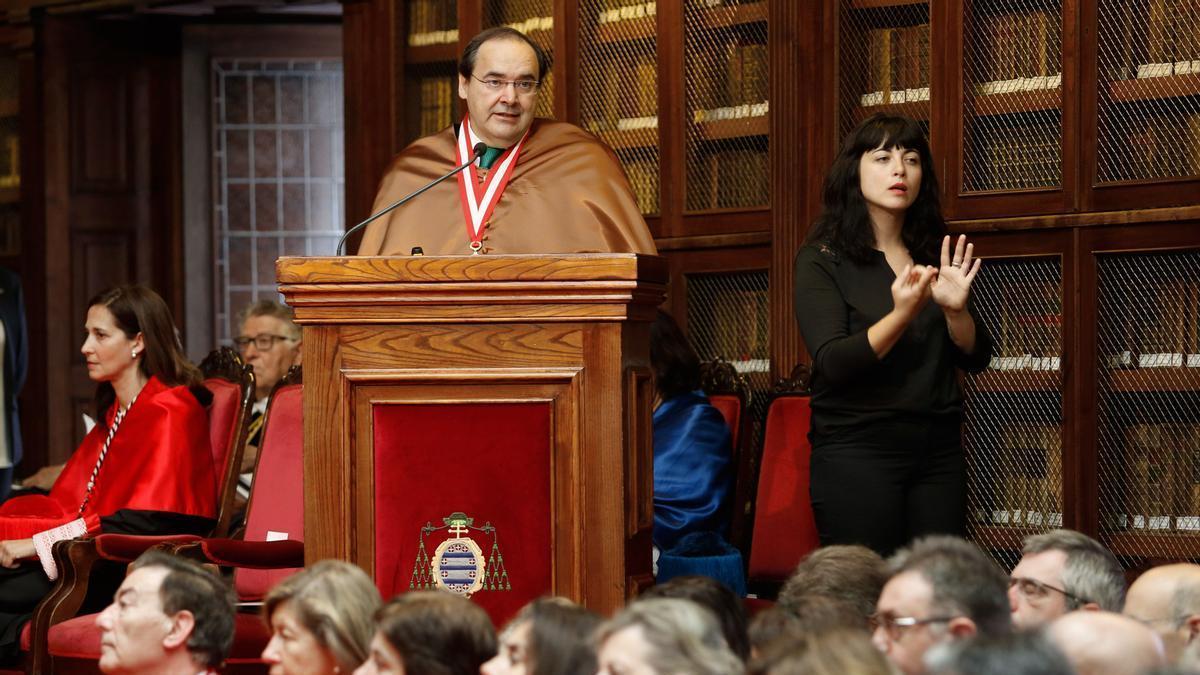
(1065, 131)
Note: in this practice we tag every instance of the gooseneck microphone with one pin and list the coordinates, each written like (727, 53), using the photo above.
(476, 153)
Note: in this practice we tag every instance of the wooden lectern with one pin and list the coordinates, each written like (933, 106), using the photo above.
(482, 421)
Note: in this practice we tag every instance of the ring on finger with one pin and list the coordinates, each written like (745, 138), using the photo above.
(956, 263)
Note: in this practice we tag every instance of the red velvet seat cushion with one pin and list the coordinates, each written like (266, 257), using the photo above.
(76, 638)
(250, 638)
(730, 408)
(784, 529)
(277, 504)
(222, 416)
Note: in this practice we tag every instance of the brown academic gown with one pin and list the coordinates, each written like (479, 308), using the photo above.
(567, 194)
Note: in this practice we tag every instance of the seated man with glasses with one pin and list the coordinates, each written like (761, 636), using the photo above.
(540, 187)
(1061, 571)
(269, 341)
(941, 588)
(1167, 600)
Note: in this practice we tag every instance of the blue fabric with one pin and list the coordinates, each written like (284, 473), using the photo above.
(724, 565)
(693, 479)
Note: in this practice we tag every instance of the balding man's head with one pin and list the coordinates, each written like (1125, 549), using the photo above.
(1167, 599)
(1103, 643)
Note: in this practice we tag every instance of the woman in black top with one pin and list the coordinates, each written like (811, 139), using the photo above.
(883, 307)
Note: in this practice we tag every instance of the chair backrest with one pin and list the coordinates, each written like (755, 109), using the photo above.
(731, 408)
(231, 383)
(729, 393)
(784, 529)
(276, 507)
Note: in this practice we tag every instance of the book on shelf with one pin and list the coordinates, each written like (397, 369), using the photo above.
(643, 178)
(1018, 51)
(437, 104)
(1160, 476)
(740, 321)
(1018, 157)
(1029, 463)
(432, 22)
(898, 65)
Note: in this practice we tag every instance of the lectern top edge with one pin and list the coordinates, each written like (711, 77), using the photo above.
(483, 268)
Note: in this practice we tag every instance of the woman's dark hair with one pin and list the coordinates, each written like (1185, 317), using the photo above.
(466, 64)
(845, 225)
(137, 309)
(560, 636)
(676, 366)
(437, 633)
(717, 598)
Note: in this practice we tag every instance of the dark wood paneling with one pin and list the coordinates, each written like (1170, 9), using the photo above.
(101, 128)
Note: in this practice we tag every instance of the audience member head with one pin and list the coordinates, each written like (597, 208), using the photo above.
(130, 332)
(1061, 571)
(845, 651)
(716, 598)
(170, 615)
(804, 615)
(1167, 599)
(852, 574)
(676, 366)
(845, 223)
(1022, 653)
(664, 636)
(549, 636)
(430, 633)
(1103, 643)
(499, 75)
(320, 619)
(941, 588)
(269, 340)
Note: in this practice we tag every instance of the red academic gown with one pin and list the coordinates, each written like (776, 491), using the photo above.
(159, 465)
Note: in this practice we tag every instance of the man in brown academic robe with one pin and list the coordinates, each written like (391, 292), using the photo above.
(566, 192)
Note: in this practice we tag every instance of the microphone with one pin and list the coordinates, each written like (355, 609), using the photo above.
(476, 153)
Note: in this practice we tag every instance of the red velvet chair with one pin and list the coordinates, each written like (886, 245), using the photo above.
(232, 385)
(729, 393)
(271, 547)
(784, 529)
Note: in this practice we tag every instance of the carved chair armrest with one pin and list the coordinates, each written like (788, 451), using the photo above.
(75, 559)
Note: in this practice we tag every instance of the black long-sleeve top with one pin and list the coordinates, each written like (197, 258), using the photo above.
(836, 301)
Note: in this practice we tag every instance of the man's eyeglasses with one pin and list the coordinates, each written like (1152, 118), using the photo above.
(262, 342)
(894, 625)
(496, 84)
(1036, 590)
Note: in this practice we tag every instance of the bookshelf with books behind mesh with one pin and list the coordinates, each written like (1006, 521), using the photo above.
(1148, 402)
(430, 67)
(886, 57)
(10, 157)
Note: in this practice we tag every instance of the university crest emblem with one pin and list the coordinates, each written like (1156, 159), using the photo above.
(458, 564)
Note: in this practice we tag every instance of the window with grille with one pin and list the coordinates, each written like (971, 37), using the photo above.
(278, 165)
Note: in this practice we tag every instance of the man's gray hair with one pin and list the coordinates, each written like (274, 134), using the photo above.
(683, 636)
(1185, 602)
(1091, 573)
(965, 581)
(268, 307)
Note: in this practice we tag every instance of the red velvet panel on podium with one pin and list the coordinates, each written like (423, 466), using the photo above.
(480, 424)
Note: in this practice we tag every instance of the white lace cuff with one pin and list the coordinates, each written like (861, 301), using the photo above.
(43, 542)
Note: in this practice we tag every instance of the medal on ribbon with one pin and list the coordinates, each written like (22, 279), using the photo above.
(480, 199)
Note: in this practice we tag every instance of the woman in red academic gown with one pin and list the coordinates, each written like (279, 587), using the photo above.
(145, 468)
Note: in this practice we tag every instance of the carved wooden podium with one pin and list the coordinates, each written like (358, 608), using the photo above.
(481, 420)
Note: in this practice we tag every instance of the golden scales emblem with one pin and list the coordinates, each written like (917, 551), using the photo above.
(458, 564)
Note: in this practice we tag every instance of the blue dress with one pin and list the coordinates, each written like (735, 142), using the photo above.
(693, 491)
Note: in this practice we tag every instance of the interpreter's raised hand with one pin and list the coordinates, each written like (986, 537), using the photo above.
(954, 277)
(912, 289)
(13, 551)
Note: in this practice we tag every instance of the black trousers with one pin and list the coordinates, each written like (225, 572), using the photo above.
(21, 589)
(886, 485)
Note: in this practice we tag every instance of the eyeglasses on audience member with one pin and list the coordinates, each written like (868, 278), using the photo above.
(263, 342)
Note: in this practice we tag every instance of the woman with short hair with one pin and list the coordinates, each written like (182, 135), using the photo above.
(664, 636)
(321, 620)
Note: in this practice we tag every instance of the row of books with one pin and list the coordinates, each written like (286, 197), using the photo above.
(898, 60)
(1153, 317)
(1161, 476)
(742, 80)
(729, 179)
(1018, 157)
(616, 11)
(10, 161)
(1030, 320)
(1021, 483)
(631, 94)
(1149, 38)
(1018, 45)
(740, 321)
(432, 22)
(643, 178)
(438, 105)
(1164, 146)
